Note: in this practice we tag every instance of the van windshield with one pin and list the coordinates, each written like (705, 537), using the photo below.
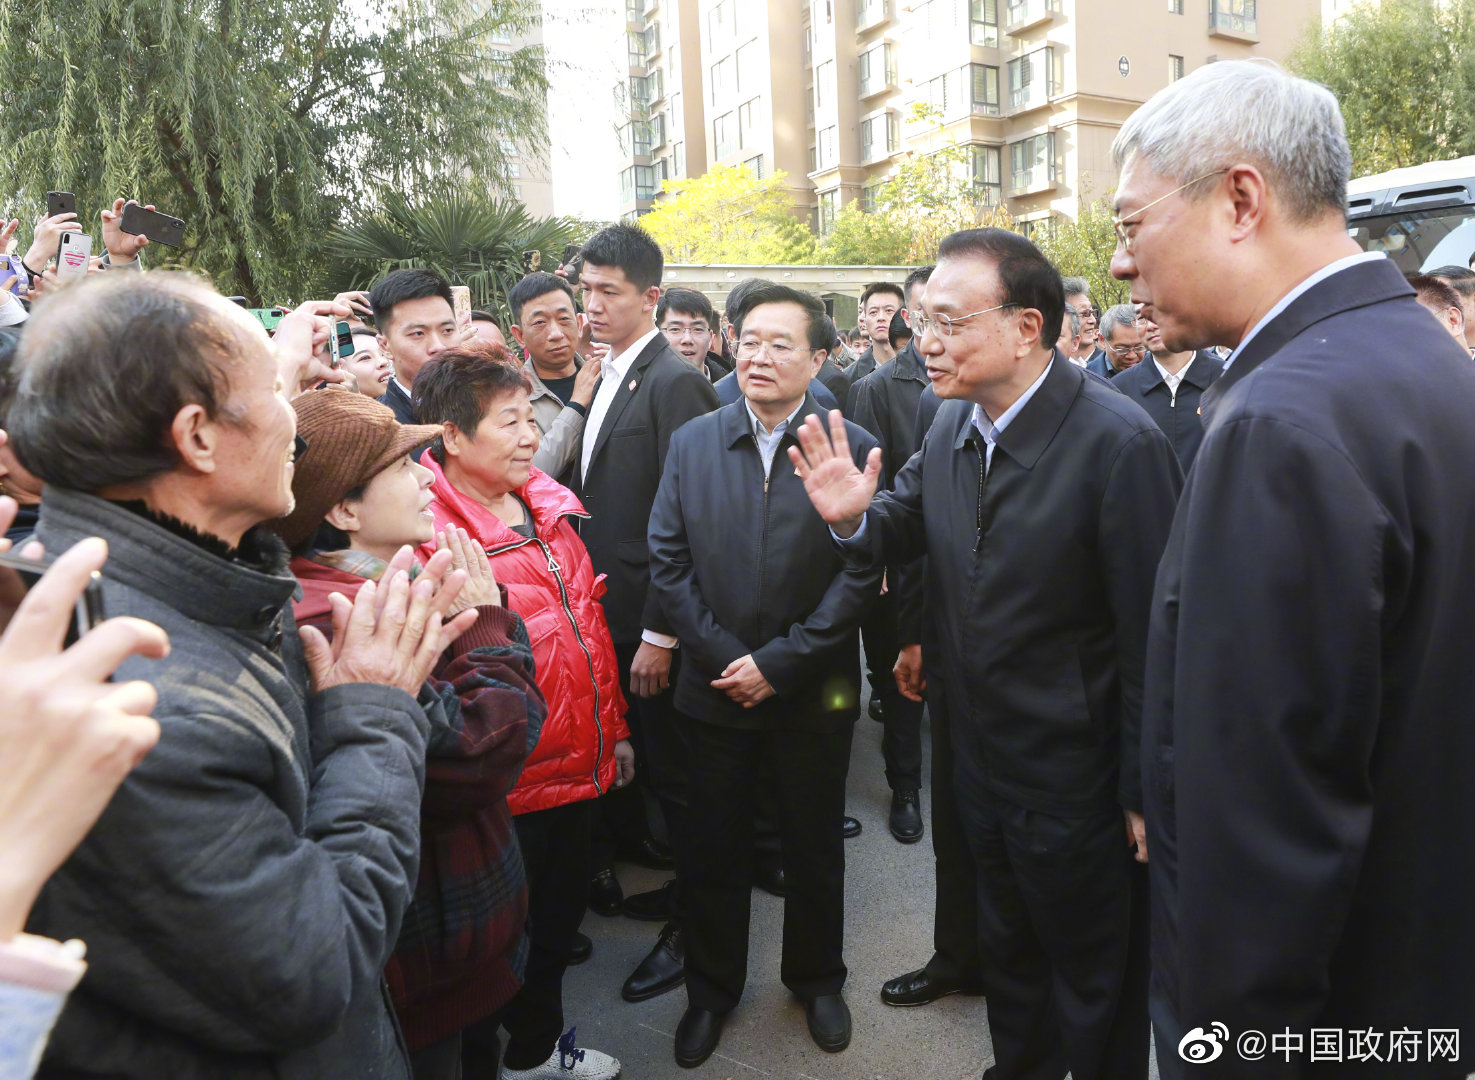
(1420, 241)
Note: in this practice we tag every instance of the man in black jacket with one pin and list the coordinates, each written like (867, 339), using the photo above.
(767, 615)
(1309, 719)
(1042, 499)
(1169, 385)
(645, 394)
(416, 319)
(885, 404)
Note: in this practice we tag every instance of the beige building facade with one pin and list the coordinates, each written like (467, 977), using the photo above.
(1035, 90)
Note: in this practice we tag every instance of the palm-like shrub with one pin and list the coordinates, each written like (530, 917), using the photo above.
(469, 238)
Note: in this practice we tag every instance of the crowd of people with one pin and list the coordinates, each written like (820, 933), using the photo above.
(408, 648)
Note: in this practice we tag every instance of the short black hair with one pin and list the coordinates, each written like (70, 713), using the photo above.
(1028, 278)
(459, 385)
(1460, 279)
(900, 330)
(631, 249)
(397, 286)
(485, 316)
(920, 276)
(758, 292)
(737, 298)
(365, 331)
(686, 302)
(533, 286)
(882, 286)
(1435, 290)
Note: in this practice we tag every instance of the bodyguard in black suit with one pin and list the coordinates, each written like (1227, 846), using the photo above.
(1042, 499)
(1309, 721)
(1169, 386)
(645, 394)
(767, 613)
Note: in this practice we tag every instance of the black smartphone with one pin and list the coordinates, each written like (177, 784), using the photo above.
(60, 202)
(343, 336)
(240, 301)
(572, 264)
(531, 261)
(89, 605)
(159, 228)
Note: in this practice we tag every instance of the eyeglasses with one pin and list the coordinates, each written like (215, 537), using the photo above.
(1121, 224)
(676, 333)
(942, 325)
(1129, 350)
(749, 348)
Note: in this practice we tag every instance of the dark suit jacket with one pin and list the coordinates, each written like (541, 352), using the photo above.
(728, 391)
(836, 380)
(864, 364)
(1179, 419)
(742, 563)
(717, 367)
(624, 472)
(1309, 727)
(1099, 365)
(1040, 582)
(399, 401)
(885, 404)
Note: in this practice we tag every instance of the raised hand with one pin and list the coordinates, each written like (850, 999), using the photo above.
(121, 246)
(839, 491)
(469, 557)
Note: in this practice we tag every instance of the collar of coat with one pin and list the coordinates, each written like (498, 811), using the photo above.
(1202, 371)
(736, 428)
(1360, 285)
(1027, 435)
(546, 499)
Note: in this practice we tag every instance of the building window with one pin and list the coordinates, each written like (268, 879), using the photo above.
(1234, 15)
(716, 22)
(755, 166)
(724, 135)
(640, 91)
(748, 68)
(829, 209)
(813, 159)
(634, 9)
(635, 47)
(822, 77)
(877, 70)
(827, 148)
(1032, 163)
(870, 12)
(1175, 68)
(678, 159)
(973, 88)
(1175, 7)
(983, 16)
(880, 136)
(984, 80)
(635, 138)
(652, 39)
(721, 80)
(808, 45)
(1029, 11)
(988, 174)
(750, 116)
(658, 130)
(809, 105)
(654, 85)
(1033, 79)
(637, 182)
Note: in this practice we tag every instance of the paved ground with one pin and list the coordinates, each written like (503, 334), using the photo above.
(888, 930)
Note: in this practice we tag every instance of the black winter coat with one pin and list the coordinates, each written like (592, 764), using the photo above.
(1178, 417)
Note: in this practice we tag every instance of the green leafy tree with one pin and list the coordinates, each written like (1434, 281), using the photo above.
(1404, 72)
(865, 238)
(1084, 247)
(258, 121)
(470, 238)
(727, 215)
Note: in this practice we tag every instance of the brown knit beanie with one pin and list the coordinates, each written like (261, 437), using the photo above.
(350, 440)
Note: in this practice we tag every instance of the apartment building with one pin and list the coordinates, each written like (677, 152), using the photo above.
(664, 132)
(528, 171)
(1035, 90)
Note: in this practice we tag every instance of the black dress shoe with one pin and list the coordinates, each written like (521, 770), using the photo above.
(653, 906)
(580, 950)
(906, 816)
(662, 970)
(649, 853)
(850, 826)
(697, 1036)
(768, 875)
(829, 1022)
(875, 710)
(605, 894)
(919, 988)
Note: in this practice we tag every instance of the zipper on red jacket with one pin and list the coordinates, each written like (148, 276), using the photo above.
(557, 572)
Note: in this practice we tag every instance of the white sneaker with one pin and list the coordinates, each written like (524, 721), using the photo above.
(568, 1062)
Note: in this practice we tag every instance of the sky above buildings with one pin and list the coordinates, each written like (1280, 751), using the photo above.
(585, 42)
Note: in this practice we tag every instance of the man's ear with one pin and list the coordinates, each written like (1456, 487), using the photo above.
(384, 346)
(344, 516)
(652, 298)
(517, 333)
(196, 438)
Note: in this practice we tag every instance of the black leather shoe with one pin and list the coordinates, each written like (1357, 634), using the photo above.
(919, 988)
(850, 826)
(662, 970)
(697, 1036)
(875, 710)
(605, 894)
(580, 950)
(906, 816)
(649, 853)
(829, 1022)
(653, 906)
(768, 875)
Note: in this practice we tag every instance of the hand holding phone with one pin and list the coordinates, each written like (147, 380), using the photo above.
(72, 257)
(572, 264)
(146, 225)
(60, 202)
(461, 304)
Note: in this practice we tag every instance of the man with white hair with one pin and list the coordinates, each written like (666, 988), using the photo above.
(1309, 712)
(1122, 346)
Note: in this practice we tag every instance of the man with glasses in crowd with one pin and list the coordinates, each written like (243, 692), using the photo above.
(686, 317)
(1121, 338)
(1043, 500)
(1078, 299)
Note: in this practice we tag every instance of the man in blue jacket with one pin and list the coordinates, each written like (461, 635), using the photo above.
(767, 616)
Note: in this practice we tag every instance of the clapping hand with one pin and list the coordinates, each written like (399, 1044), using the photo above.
(839, 491)
(470, 558)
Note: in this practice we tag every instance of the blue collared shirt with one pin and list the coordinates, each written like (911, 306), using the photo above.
(768, 441)
(991, 430)
(1289, 298)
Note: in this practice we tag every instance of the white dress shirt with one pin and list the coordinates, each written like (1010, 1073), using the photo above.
(612, 376)
(1173, 380)
(1289, 298)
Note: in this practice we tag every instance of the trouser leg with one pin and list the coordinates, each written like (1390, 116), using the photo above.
(717, 873)
(810, 768)
(955, 915)
(901, 737)
(438, 1061)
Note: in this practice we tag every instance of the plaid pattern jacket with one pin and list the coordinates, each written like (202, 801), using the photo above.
(462, 946)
